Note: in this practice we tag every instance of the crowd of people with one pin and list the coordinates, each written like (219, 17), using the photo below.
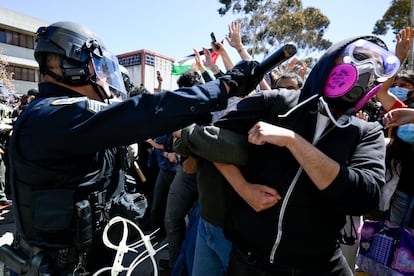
(242, 173)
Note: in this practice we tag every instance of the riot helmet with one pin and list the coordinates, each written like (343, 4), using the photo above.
(85, 59)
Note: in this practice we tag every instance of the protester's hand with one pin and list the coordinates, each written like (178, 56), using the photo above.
(240, 78)
(208, 62)
(262, 133)
(404, 43)
(398, 116)
(190, 165)
(172, 157)
(302, 70)
(362, 115)
(291, 65)
(198, 63)
(159, 78)
(234, 38)
(260, 197)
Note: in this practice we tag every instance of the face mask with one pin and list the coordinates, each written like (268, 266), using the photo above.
(406, 133)
(399, 92)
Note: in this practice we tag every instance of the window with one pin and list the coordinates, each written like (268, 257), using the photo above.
(150, 60)
(2, 36)
(16, 38)
(22, 73)
(130, 60)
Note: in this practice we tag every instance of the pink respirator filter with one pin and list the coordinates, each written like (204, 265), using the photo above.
(340, 80)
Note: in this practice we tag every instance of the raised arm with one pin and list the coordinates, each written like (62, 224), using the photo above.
(402, 48)
(234, 40)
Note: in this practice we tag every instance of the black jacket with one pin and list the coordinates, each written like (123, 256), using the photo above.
(302, 229)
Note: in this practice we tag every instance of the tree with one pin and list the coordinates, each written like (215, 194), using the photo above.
(268, 24)
(397, 17)
(6, 77)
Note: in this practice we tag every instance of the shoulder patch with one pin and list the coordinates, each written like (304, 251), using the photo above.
(68, 101)
(95, 106)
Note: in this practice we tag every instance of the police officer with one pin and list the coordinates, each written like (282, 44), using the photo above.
(66, 157)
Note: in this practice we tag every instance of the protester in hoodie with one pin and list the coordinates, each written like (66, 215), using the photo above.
(320, 162)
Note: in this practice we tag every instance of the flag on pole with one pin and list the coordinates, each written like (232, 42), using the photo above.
(186, 63)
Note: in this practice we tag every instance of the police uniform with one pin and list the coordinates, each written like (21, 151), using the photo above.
(66, 159)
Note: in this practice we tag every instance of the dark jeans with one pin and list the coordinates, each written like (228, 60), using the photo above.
(242, 264)
(159, 202)
(181, 198)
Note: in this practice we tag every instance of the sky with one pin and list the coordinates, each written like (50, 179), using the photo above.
(174, 28)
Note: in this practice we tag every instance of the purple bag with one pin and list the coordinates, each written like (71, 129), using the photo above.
(386, 250)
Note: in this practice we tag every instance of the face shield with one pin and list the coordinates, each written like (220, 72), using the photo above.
(108, 74)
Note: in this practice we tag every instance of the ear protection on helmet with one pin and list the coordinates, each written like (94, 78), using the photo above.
(75, 74)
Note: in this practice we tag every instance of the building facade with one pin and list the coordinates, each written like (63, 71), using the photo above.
(17, 42)
(143, 65)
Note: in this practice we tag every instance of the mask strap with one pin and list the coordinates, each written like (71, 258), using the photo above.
(341, 122)
(371, 93)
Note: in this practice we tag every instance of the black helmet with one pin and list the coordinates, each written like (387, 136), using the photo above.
(78, 46)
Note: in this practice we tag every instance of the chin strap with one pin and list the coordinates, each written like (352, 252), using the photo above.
(55, 76)
(344, 121)
(99, 90)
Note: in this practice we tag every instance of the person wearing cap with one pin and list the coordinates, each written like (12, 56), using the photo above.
(67, 171)
(319, 163)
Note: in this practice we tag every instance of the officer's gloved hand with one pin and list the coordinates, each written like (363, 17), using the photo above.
(240, 78)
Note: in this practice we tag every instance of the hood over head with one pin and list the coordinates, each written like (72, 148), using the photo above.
(318, 76)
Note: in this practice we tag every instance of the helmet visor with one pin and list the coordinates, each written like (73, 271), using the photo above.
(107, 71)
(362, 52)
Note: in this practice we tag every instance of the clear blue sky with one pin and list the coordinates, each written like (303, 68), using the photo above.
(174, 28)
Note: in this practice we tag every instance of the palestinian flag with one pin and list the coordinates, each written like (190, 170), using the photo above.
(185, 64)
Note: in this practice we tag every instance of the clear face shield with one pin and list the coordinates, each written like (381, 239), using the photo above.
(362, 64)
(108, 74)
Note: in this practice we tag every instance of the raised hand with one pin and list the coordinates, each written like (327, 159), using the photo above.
(404, 43)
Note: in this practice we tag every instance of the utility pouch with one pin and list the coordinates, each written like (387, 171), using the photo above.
(15, 259)
(83, 233)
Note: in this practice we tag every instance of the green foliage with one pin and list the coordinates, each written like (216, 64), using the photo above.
(396, 18)
(267, 25)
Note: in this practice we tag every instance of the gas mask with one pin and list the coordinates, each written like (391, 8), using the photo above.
(350, 84)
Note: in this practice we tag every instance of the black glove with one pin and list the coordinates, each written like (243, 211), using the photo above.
(240, 78)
